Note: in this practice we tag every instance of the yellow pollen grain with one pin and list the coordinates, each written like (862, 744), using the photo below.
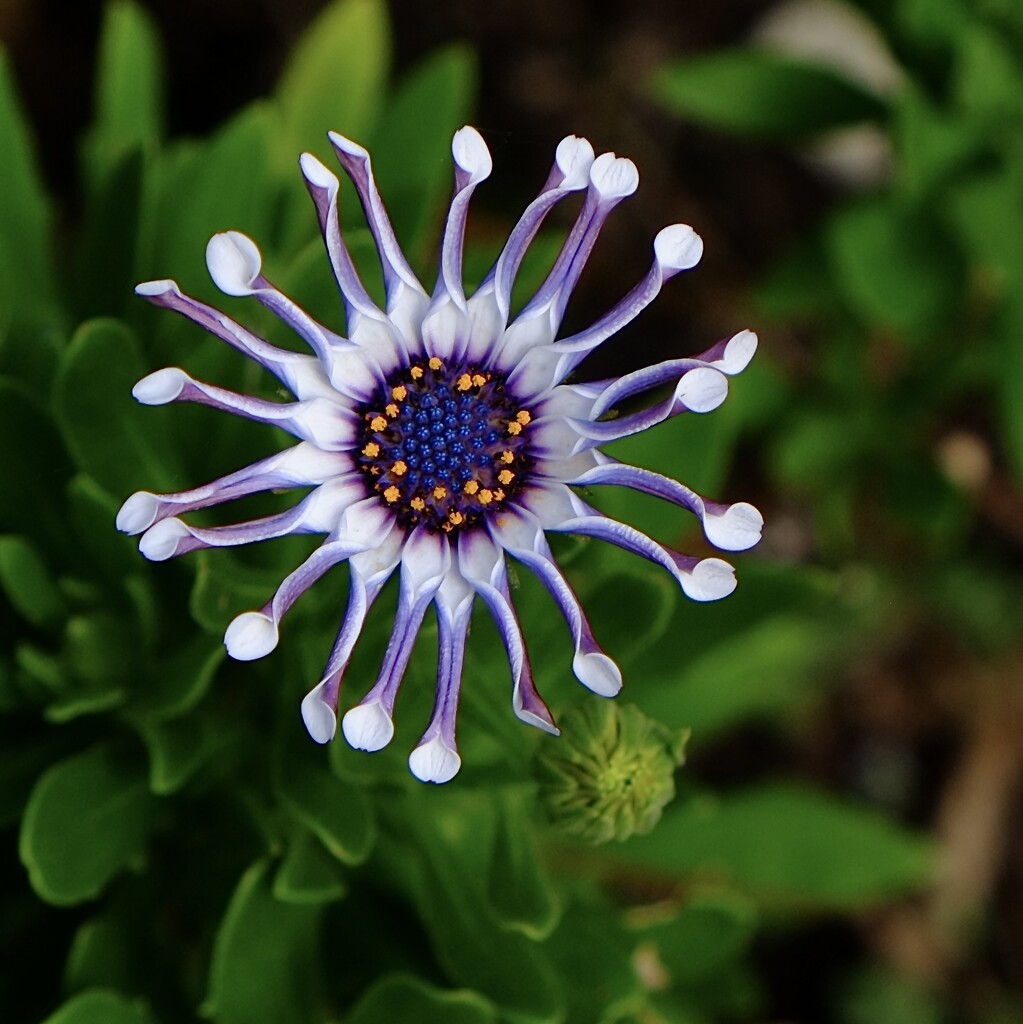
(418, 504)
(499, 495)
(523, 417)
(372, 450)
(440, 492)
(400, 393)
(507, 457)
(375, 470)
(479, 380)
(506, 476)
(416, 372)
(456, 518)
(446, 527)
(471, 487)
(486, 496)
(391, 410)
(378, 423)
(399, 468)
(435, 363)
(392, 494)
(464, 382)
(514, 428)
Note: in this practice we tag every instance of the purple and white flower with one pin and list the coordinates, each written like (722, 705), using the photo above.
(438, 437)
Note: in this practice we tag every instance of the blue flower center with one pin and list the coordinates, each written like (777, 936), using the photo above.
(445, 446)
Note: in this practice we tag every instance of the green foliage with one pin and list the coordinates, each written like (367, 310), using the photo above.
(221, 865)
(764, 94)
(87, 820)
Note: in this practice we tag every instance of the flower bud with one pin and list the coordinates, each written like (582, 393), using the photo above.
(611, 772)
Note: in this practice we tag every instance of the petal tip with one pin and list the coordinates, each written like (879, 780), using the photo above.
(160, 387)
(614, 176)
(574, 157)
(709, 580)
(154, 289)
(250, 636)
(470, 152)
(597, 672)
(162, 541)
(702, 389)
(316, 173)
(319, 717)
(234, 262)
(736, 528)
(434, 761)
(678, 247)
(367, 727)
(138, 513)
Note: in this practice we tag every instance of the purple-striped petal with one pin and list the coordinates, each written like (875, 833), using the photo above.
(562, 511)
(318, 512)
(301, 374)
(435, 758)
(369, 570)
(481, 562)
(445, 328)
(729, 527)
(384, 337)
(521, 535)
(676, 248)
(403, 287)
(303, 465)
(424, 564)
(325, 423)
(730, 357)
(699, 390)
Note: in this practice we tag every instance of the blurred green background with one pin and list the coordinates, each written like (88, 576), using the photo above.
(845, 843)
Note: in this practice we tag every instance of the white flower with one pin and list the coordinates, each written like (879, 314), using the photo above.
(437, 437)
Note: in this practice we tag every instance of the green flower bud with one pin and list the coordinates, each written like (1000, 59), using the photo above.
(610, 773)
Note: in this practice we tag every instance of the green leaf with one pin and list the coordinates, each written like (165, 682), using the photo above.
(36, 467)
(401, 997)
(265, 957)
(336, 77)
(429, 105)
(593, 955)
(92, 513)
(709, 931)
(931, 142)
(25, 752)
(786, 845)
(102, 955)
(224, 587)
(518, 889)
(989, 79)
(761, 670)
(129, 87)
(104, 263)
(308, 874)
(441, 866)
(896, 267)
(876, 994)
(86, 821)
(178, 749)
(180, 681)
(101, 1006)
(26, 580)
(220, 183)
(121, 444)
(338, 813)
(762, 93)
(26, 258)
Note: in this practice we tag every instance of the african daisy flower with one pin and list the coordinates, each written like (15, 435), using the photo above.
(438, 437)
